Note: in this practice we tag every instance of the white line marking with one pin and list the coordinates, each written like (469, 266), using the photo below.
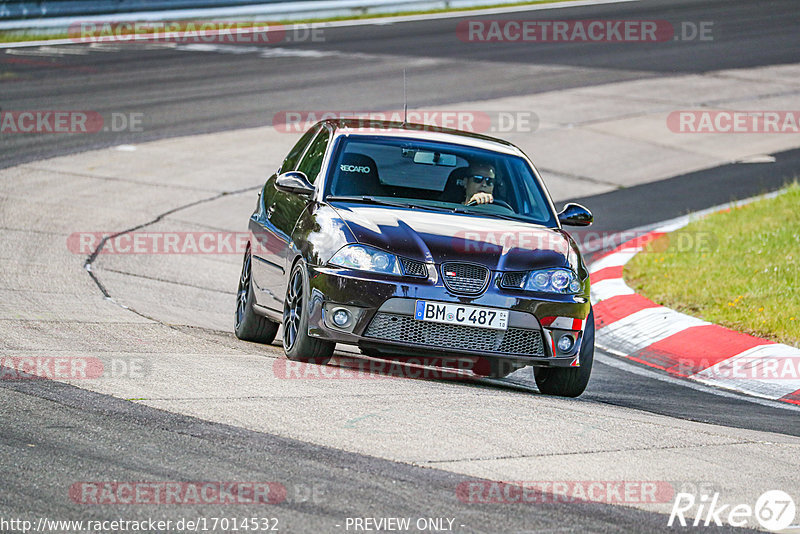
(105, 47)
(219, 48)
(758, 158)
(50, 51)
(270, 52)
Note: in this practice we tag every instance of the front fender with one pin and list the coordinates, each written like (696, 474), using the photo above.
(319, 234)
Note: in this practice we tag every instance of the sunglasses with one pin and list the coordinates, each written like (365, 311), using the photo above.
(480, 179)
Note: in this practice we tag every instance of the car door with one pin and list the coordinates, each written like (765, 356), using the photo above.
(269, 240)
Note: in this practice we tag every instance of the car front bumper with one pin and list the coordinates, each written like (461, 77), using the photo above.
(382, 311)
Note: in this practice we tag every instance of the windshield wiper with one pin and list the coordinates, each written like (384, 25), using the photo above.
(486, 214)
(370, 200)
(498, 215)
(380, 202)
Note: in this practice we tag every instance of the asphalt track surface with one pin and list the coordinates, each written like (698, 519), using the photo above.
(181, 92)
(54, 434)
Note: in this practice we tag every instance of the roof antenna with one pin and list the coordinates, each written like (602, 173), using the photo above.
(405, 99)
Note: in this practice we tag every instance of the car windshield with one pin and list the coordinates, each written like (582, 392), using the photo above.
(437, 175)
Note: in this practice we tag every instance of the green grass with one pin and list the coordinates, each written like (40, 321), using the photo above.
(739, 268)
(14, 36)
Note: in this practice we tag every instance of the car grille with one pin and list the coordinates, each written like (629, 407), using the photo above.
(406, 329)
(414, 268)
(465, 278)
(513, 280)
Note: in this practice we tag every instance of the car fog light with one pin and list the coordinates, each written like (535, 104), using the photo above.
(341, 317)
(565, 343)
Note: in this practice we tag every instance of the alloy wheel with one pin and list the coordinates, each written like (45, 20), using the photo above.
(244, 288)
(292, 310)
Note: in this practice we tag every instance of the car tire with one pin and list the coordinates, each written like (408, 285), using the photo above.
(569, 381)
(297, 344)
(248, 325)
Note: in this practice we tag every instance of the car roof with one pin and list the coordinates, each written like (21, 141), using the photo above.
(381, 128)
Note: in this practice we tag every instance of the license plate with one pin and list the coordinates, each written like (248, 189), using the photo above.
(442, 312)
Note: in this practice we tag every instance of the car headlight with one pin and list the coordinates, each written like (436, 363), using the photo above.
(562, 281)
(364, 258)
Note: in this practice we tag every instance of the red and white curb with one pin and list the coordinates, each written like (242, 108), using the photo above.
(635, 328)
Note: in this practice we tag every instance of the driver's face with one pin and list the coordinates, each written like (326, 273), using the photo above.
(473, 184)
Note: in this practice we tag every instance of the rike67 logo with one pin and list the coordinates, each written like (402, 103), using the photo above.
(774, 510)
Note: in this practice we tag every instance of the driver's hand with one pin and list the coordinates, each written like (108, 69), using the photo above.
(481, 198)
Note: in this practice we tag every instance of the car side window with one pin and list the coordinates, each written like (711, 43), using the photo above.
(290, 163)
(312, 161)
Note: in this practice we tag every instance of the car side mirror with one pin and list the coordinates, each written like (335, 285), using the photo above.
(294, 182)
(575, 215)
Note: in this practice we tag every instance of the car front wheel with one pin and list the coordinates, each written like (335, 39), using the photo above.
(569, 381)
(297, 344)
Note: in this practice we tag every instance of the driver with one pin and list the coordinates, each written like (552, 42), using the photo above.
(479, 184)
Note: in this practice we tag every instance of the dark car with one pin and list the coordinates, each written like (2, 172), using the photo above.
(409, 239)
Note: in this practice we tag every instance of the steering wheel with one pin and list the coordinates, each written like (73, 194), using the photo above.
(495, 201)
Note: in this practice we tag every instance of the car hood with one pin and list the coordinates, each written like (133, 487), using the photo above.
(434, 236)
